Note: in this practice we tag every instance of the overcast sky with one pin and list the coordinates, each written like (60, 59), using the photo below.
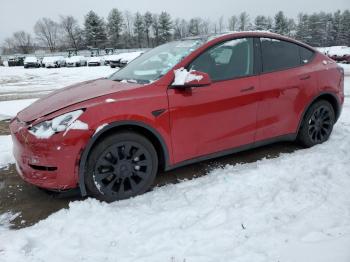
(22, 14)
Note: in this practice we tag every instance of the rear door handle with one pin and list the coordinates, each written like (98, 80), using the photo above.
(305, 77)
(251, 88)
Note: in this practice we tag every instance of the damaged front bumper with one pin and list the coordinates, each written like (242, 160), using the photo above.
(50, 163)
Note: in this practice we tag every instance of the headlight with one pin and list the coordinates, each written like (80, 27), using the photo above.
(58, 124)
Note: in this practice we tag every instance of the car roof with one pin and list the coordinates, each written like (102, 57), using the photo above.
(233, 34)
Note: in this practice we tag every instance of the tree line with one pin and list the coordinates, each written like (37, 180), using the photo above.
(135, 30)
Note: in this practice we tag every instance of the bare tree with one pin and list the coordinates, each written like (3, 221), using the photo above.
(232, 23)
(47, 31)
(72, 31)
(180, 28)
(221, 24)
(23, 42)
(128, 27)
(20, 42)
(205, 26)
(244, 21)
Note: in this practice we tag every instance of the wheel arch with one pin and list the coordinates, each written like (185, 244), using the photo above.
(135, 126)
(330, 97)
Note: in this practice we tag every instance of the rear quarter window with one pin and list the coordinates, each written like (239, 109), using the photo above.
(306, 55)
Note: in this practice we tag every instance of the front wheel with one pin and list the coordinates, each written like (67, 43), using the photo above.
(121, 166)
(317, 124)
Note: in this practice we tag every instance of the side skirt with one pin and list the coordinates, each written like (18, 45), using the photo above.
(284, 138)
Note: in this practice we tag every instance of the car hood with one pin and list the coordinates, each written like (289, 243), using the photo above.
(72, 95)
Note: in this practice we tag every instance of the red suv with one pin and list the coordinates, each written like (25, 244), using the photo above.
(177, 104)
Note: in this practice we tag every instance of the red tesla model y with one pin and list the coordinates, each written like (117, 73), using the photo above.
(179, 103)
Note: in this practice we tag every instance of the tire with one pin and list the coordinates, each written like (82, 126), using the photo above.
(317, 124)
(121, 166)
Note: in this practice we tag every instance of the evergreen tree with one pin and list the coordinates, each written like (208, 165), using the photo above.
(139, 28)
(316, 30)
(261, 23)
(115, 26)
(302, 29)
(148, 19)
(95, 30)
(155, 29)
(281, 24)
(344, 30)
(165, 27)
(336, 27)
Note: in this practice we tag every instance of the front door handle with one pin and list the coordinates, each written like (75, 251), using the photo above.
(251, 88)
(305, 77)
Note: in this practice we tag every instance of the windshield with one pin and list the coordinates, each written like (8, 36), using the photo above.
(157, 62)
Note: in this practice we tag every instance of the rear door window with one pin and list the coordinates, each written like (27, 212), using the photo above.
(278, 54)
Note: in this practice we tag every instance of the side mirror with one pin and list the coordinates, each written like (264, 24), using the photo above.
(192, 78)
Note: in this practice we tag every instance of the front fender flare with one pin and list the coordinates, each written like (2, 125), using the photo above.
(93, 139)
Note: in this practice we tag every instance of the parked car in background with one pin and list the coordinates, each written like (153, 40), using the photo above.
(340, 54)
(179, 103)
(76, 61)
(53, 61)
(128, 57)
(122, 59)
(96, 61)
(31, 61)
(16, 61)
(114, 60)
(108, 58)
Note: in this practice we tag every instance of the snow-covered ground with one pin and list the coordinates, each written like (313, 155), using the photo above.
(294, 208)
(18, 79)
(9, 109)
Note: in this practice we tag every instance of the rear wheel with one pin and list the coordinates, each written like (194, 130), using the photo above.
(318, 124)
(121, 166)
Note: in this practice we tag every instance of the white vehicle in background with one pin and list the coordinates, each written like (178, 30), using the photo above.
(108, 58)
(128, 57)
(53, 61)
(96, 61)
(76, 61)
(31, 61)
(122, 59)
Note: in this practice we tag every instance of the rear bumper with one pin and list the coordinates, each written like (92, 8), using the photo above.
(48, 163)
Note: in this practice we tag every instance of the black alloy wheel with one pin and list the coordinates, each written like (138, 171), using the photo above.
(121, 166)
(318, 124)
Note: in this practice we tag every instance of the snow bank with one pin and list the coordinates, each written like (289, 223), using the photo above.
(346, 70)
(9, 109)
(335, 50)
(6, 156)
(15, 80)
